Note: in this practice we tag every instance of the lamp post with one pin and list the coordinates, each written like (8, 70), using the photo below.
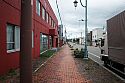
(85, 48)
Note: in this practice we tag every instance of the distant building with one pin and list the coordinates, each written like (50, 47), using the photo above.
(81, 40)
(97, 33)
(89, 38)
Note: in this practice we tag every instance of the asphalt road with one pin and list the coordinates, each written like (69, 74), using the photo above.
(94, 54)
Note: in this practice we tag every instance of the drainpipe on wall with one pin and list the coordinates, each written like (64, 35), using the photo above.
(26, 42)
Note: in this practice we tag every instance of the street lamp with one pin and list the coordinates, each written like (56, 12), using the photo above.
(75, 3)
(85, 48)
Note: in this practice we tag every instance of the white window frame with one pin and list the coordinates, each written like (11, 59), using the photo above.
(38, 8)
(43, 13)
(47, 17)
(8, 42)
(16, 39)
(50, 20)
(54, 25)
(32, 39)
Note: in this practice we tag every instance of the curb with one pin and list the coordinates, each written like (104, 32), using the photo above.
(43, 63)
(108, 70)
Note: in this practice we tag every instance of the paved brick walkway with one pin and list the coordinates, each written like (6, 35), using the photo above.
(60, 69)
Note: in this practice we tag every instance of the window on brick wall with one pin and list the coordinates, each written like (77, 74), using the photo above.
(47, 17)
(38, 7)
(17, 38)
(54, 25)
(13, 38)
(50, 21)
(32, 39)
(43, 13)
(10, 37)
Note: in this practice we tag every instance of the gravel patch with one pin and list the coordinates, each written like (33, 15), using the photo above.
(94, 72)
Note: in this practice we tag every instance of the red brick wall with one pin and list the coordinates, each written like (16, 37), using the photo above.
(10, 13)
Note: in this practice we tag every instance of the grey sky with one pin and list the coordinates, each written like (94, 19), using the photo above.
(98, 12)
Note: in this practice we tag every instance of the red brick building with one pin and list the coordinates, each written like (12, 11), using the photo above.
(44, 31)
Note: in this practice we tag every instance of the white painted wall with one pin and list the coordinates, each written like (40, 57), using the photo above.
(81, 40)
(96, 34)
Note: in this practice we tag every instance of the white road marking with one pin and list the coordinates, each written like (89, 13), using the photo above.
(94, 54)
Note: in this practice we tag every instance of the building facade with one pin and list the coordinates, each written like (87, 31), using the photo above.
(97, 33)
(89, 38)
(81, 40)
(44, 31)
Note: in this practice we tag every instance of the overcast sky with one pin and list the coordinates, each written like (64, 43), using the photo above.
(98, 12)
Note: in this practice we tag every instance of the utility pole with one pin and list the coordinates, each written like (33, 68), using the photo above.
(26, 42)
(65, 35)
(81, 38)
(81, 34)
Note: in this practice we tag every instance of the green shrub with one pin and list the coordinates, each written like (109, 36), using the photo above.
(2, 78)
(12, 72)
(47, 54)
(78, 54)
(82, 53)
